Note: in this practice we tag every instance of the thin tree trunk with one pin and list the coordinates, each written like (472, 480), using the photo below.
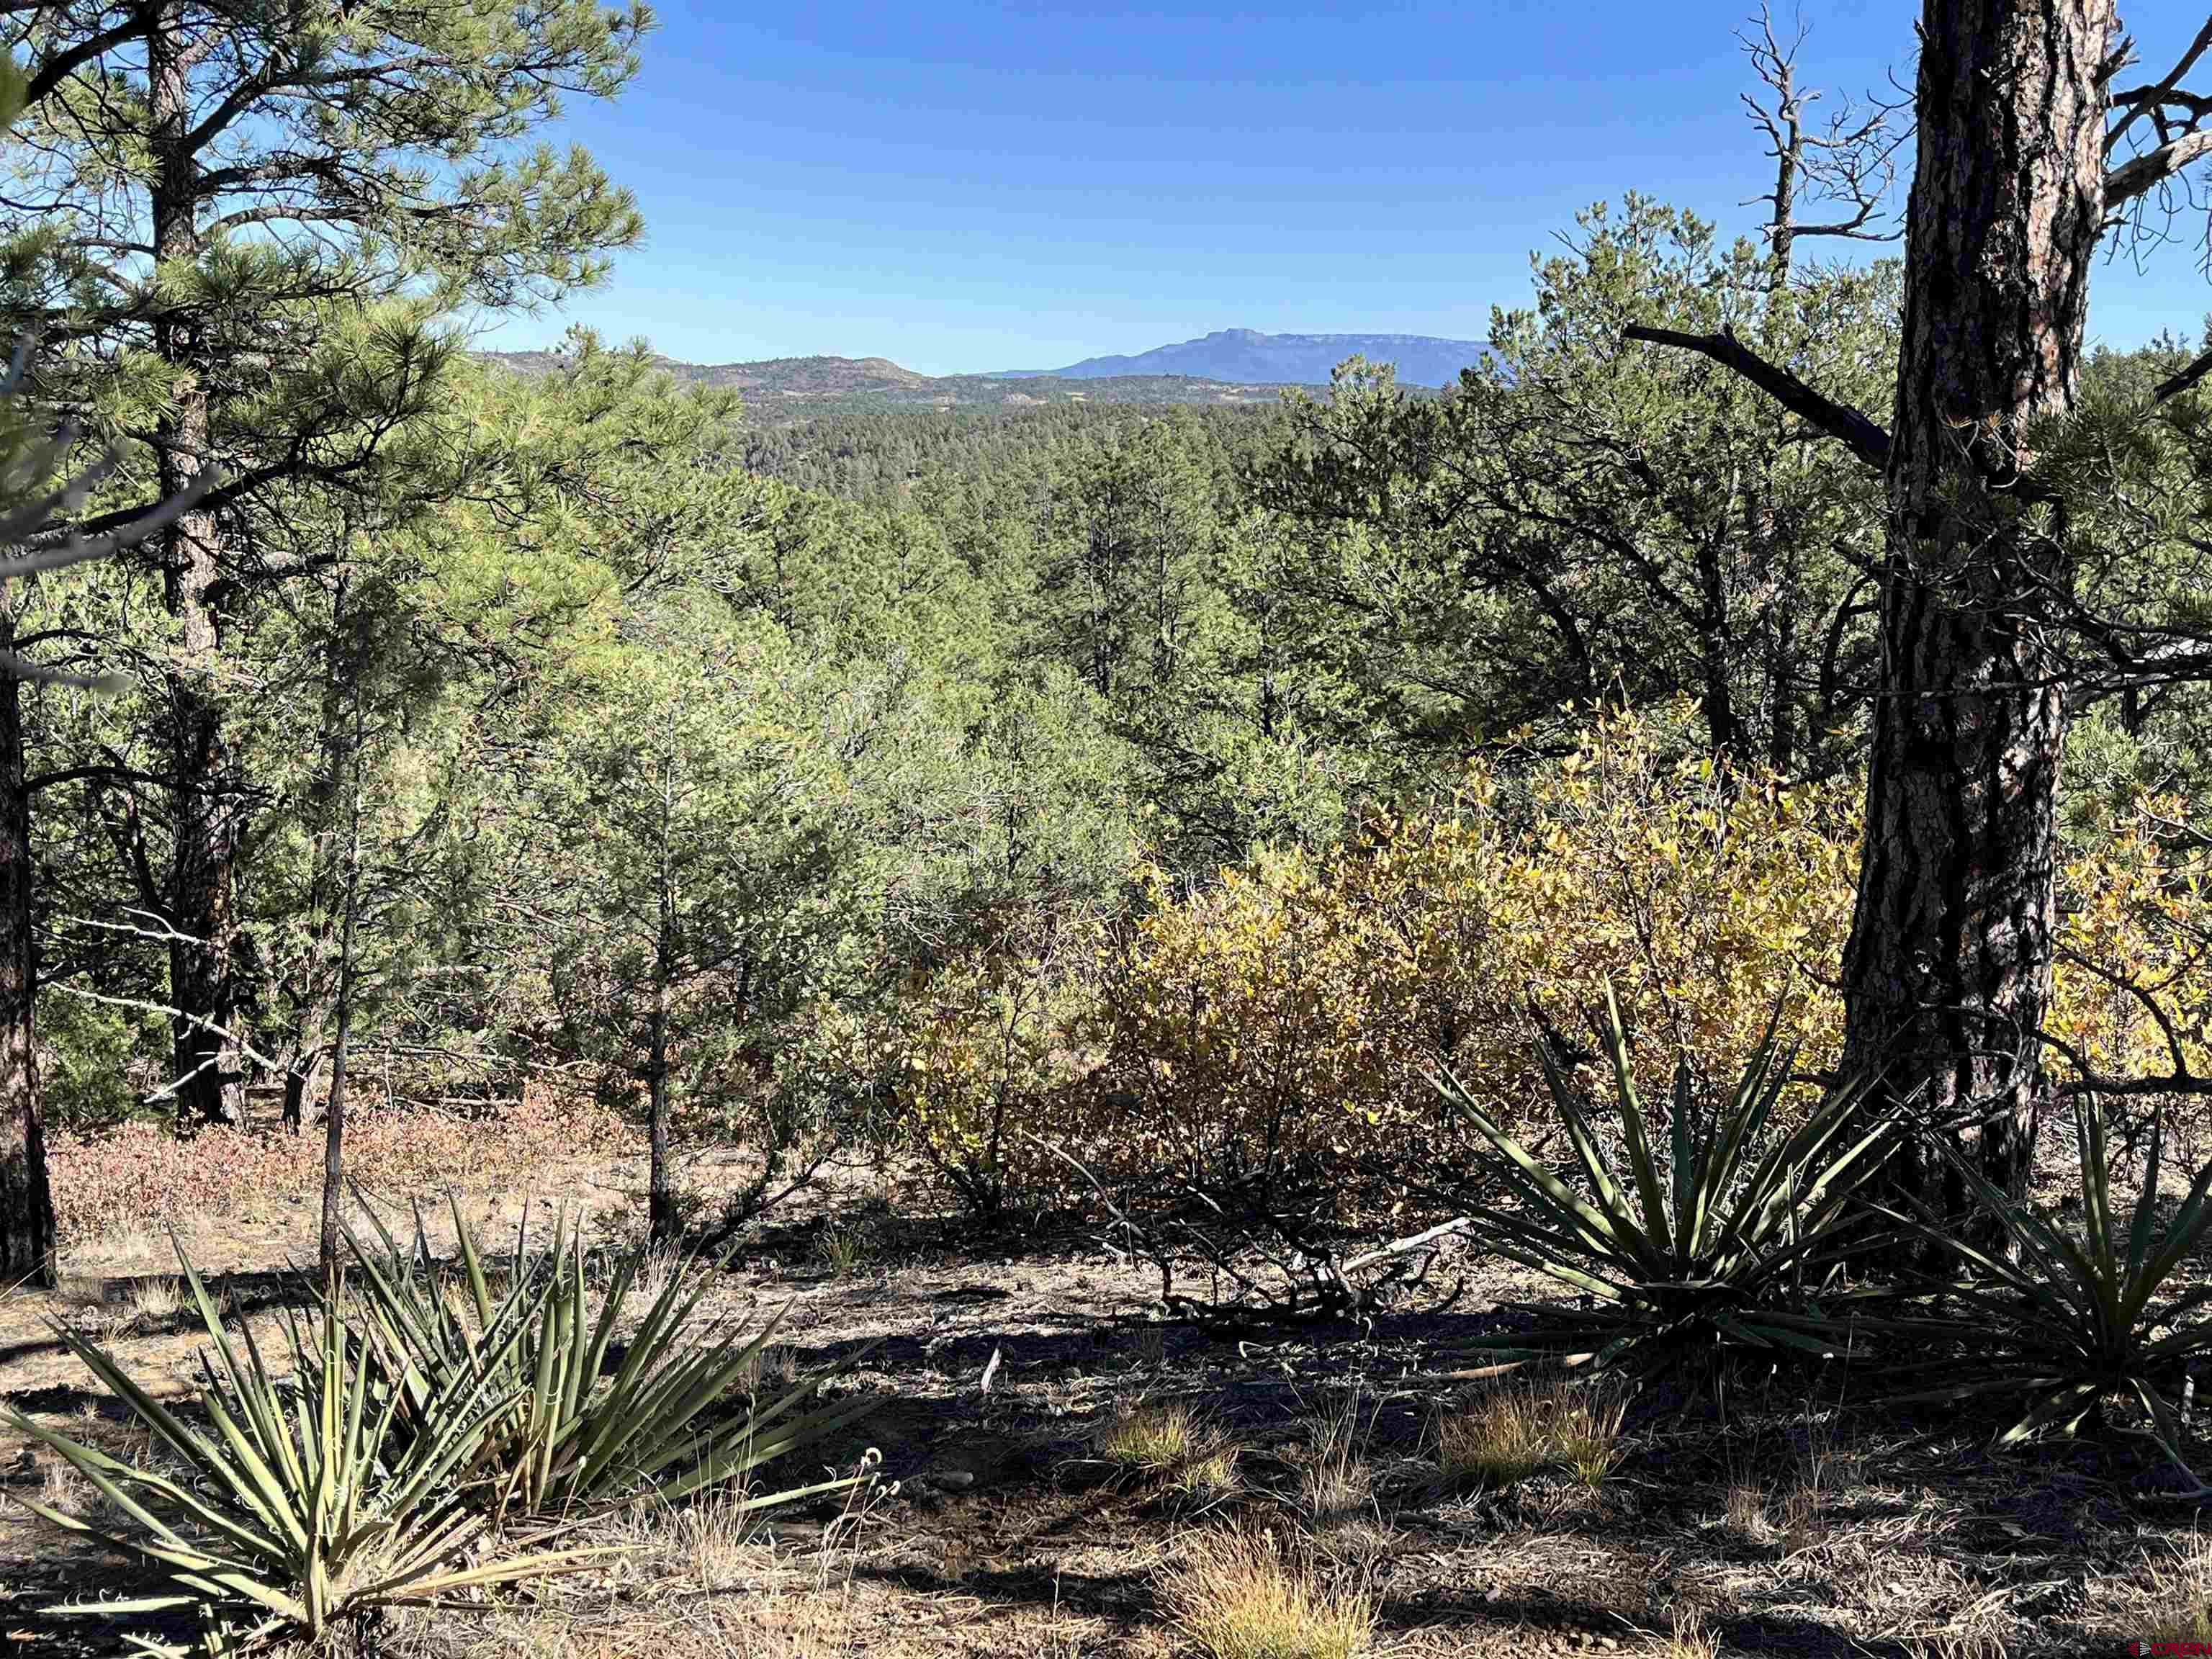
(334, 1114)
(27, 1208)
(660, 1201)
(1716, 654)
(1947, 973)
(203, 780)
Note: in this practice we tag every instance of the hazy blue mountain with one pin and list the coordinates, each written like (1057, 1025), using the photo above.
(1246, 355)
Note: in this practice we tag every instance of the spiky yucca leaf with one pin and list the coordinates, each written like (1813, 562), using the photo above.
(285, 1519)
(1727, 1246)
(2063, 1322)
(585, 1427)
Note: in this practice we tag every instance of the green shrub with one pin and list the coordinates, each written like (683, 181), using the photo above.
(1724, 1247)
(572, 1434)
(2063, 1321)
(290, 1519)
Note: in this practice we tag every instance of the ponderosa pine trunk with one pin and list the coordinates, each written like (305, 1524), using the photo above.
(26, 1206)
(201, 979)
(1949, 970)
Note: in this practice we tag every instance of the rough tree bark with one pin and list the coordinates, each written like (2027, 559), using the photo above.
(1947, 973)
(27, 1209)
(203, 785)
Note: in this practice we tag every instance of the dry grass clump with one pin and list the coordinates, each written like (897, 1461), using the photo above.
(1745, 1512)
(1495, 1441)
(1335, 1494)
(1207, 1477)
(2169, 1605)
(711, 1542)
(1513, 1431)
(1799, 1515)
(1585, 1435)
(1241, 1595)
(61, 1487)
(844, 1248)
(1335, 1486)
(152, 1303)
(1692, 1638)
(772, 1368)
(1148, 1439)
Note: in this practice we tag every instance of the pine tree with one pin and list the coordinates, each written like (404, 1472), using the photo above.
(240, 225)
(2024, 165)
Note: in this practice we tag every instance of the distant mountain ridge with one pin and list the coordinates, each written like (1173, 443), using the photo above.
(780, 389)
(1246, 354)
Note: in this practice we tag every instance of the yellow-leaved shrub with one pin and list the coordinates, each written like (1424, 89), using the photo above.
(1270, 1035)
(2133, 992)
(1283, 1024)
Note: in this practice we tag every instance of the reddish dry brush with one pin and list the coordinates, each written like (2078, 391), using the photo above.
(143, 1175)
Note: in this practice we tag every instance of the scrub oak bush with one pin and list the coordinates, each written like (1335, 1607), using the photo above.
(1283, 1023)
(1268, 1034)
(2134, 995)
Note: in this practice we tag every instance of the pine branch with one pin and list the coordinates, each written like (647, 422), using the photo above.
(1854, 430)
(2181, 382)
(2146, 171)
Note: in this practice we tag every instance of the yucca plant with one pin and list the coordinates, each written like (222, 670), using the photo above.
(2062, 1319)
(1725, 1246)
(285, 1519)
(588, 1422)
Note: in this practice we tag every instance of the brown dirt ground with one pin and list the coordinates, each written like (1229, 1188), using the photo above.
(1780, 1525)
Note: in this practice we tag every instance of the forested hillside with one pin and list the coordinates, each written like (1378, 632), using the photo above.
(785, 388)
(1700, 820)
(946, 678)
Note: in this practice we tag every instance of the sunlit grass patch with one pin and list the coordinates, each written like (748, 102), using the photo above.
(1495, 1440)
(1241, 1595)
(1150, 1439)
(1168, 1443)
(1584, 1434)
(154, 1302)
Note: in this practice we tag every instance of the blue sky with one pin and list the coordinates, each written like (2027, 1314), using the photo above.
(962, 186)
